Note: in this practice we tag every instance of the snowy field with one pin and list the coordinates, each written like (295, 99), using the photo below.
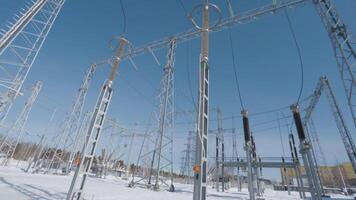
(18, 185)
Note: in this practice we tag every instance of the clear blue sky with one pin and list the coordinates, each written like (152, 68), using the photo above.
(267, 61)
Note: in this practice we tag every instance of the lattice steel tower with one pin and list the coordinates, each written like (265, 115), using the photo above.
(15, 133)
(19, 47)
(164, 148)
(324, 86)
(188, 158)
(69, 137)
(344, 44)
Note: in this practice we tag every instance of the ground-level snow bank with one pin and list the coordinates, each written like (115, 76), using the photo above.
(18, 185)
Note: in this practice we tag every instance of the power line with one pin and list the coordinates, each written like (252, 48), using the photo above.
(235, 70)
(188, 61)
(188, 77)
(124, 17)
(183, 7)
(290, 25)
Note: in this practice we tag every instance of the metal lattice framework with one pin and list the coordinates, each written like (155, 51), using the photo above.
(34, 159)
(20, 45)
(324, 86)
(164, 147)
(70, 136)
(220, 151)
(344, 45)
(15, 133)
(95, 127)
(242, 18)
(159, 159)
(188, 158)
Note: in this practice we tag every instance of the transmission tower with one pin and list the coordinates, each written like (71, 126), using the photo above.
(20, 45)
(164, 147)
(324, 86)
(160, 159)
(13, 136)
(316, 143)
(70, 137)
(344, 44)
(188, 158)
(41, 145)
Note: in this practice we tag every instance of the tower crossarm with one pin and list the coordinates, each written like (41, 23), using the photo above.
(193, 33)
(313, 102)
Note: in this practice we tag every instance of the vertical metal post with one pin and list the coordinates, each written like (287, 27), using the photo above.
(295, 159)
(200, 168)
(248, 149)
(222, 164)
(342, 179)
(255, 169)
(217, 183)
(96, 124)
(37, 153)
(15, 133)
(305, 150)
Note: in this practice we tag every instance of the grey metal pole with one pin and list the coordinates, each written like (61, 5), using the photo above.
(222, 164)
(200, 167)
(217, 184)
(305, 150)
(298, 172)
(95, 127)
(248, 149)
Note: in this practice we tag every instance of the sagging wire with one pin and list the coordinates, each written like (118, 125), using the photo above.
(188, 77)
(124, 27)
(188, 61)
(290, 25)
(235, 70)
(183, 7)
(280, 134)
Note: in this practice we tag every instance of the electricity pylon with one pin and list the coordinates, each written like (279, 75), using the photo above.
(20, 45)
(188, 158)
(41, 145)
(164, 147)
(13, 136)
(344, 45)
(160, 158)
(69, 137)
(324, 86)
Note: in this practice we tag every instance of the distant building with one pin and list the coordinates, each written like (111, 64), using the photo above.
(331, 176)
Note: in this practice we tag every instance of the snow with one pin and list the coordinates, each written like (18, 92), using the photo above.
(15, 184)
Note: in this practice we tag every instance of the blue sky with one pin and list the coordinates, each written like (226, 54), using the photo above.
(267, 61)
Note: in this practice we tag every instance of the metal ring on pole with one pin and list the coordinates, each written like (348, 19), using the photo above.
(119, 38)
(215, 7)
(129, 46)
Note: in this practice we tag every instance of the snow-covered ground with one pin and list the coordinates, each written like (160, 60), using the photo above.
(18, 185)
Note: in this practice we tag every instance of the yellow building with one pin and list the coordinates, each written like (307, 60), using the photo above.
(331, 176)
